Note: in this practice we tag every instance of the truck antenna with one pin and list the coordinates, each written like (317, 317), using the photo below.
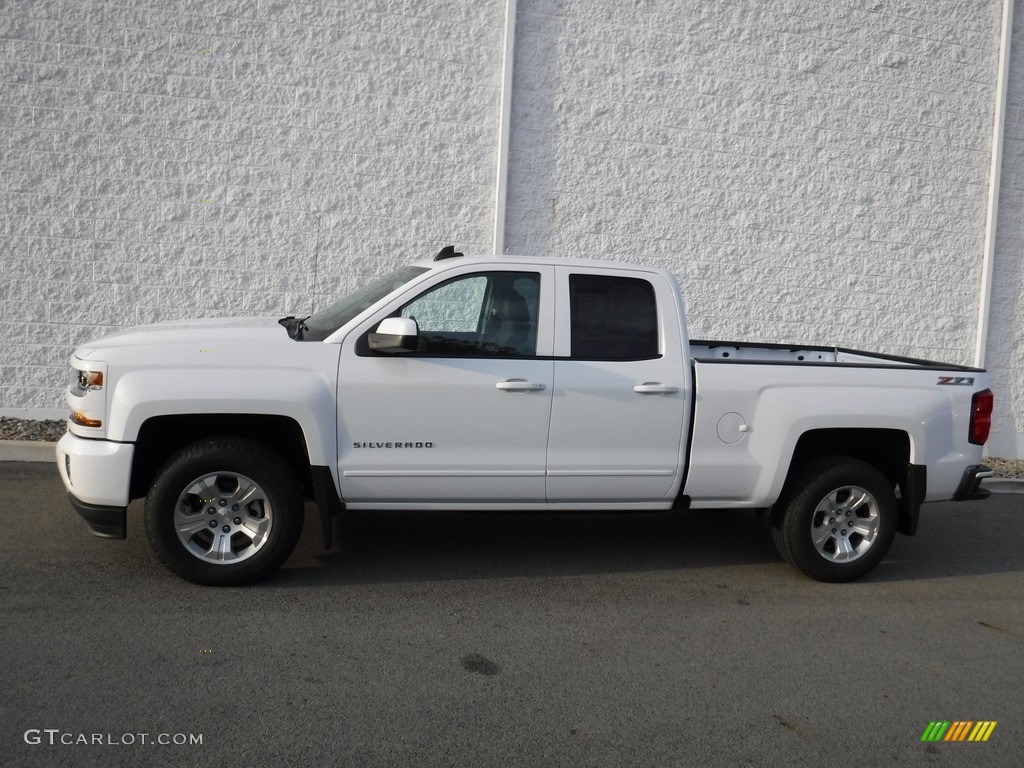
(448, 252)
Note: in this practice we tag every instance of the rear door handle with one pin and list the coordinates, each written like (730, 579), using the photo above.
(519, 385)
(655, 388)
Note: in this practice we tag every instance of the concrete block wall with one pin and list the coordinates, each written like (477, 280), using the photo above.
(1005, 350)
(813, 171)
(173, 158)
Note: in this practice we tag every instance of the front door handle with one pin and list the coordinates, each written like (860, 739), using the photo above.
(655, 388)
(519, 385)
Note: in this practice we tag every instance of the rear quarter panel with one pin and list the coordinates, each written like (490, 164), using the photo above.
(779, 403)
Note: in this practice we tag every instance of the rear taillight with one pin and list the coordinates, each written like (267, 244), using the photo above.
(981, 416)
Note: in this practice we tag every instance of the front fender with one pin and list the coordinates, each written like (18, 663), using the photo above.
(305, 396)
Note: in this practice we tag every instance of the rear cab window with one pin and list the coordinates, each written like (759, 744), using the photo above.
(612, 318)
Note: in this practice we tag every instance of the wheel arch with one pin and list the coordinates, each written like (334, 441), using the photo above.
(160, 437)
(821, 532)
(887, 450)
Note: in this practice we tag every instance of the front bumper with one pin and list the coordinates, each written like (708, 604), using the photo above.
(97, 475)
(105, 522)
(970, 486)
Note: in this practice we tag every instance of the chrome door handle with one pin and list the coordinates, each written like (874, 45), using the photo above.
(519, 385)
(655, 388)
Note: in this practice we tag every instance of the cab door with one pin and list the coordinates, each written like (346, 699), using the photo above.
(620, 389)
(464, 417)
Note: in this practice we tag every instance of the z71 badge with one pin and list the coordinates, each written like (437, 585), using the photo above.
(956, 381)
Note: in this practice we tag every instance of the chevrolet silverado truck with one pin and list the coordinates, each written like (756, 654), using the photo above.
(506, 383)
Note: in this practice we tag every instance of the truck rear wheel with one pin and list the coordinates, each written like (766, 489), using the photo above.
(836, 520)
(224, 511)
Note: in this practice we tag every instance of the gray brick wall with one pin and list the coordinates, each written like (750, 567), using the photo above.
(813, 171)
(192, 158)
(1005, 353)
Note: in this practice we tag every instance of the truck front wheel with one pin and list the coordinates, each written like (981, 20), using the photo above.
(224, 511)
(836, 520)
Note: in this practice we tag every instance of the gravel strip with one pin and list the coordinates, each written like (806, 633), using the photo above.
(1006, 467)
(26, 429)
(51, 431)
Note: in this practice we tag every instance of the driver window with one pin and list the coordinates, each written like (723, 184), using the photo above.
(452, 308)
(490, 314)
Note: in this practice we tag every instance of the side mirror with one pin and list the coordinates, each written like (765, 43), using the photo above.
(395, 336)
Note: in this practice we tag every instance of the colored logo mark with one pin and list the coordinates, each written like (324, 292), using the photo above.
(958, 730)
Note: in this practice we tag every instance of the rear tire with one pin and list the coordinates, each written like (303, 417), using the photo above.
(224, 511)
(836, 520)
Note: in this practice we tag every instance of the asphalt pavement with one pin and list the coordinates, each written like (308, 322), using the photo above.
(430, 639)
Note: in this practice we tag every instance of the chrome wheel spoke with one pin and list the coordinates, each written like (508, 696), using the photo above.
(856, 498)
(221, 549)
(834, 522)
(205, 488)
(246, 492)
(829, 505)
(189, 526)
(844, 550)
(866, 528)
(209, 531)
(255, 529)
(821, 535)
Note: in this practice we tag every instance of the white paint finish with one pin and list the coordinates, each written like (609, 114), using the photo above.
(607, 441)
(732, 428)
(100, 470)
(486, 419)
(544, 432)
(485, 444)
(782, 402)
(610, 443)
(726, 351)
(233, 366)
(304, 396)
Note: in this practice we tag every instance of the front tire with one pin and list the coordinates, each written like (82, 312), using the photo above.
(224, 511)
(836, 520)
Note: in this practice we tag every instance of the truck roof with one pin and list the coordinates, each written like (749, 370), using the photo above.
(454, 260)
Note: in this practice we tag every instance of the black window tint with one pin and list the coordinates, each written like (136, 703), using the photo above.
(613, 318)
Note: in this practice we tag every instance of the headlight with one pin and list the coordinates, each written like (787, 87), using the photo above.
(86, 395)
(89, 381)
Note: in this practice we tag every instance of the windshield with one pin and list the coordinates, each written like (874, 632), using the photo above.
(322, 324)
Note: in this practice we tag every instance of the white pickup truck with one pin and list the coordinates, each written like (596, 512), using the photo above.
(506, 383)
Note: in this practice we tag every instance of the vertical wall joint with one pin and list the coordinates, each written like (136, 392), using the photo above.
(504, 127)
(995, 176)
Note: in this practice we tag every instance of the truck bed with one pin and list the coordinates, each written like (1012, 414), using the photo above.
(775, 354)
